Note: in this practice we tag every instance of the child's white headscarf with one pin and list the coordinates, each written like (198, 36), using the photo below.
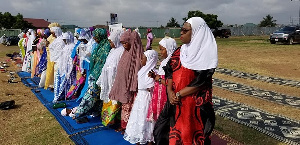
(144, 81)
(170, 44)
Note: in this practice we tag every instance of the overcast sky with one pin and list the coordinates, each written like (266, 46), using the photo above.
(151, 13)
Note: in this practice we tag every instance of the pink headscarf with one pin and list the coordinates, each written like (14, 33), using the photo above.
(40, 32)
(130, 63)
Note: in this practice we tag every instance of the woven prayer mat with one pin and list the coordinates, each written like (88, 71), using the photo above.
(31, 82)
(99, 136)
(23, 74)
(70, 125)
(107, 136)
(27, 80)
(268, 79)
(45, 96)
(276, 126)
(259, 93)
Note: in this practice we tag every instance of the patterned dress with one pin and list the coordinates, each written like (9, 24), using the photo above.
(192, 121)
(158, 101)
(91, 103)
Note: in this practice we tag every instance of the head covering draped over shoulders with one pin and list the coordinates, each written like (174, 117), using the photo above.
(128, 67)
(57, 45)
(65, 63)
(68, 36)
(57, 31)
(53, 25)
(115, 37)
(109, 69)
(84, 35)
(144, 81)
(201, 53)
(47, 32)
(100, 53)
(170, 44)
(126, 37)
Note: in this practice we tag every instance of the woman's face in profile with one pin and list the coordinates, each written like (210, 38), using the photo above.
(126, 45)
(186, 33)
(96, 39)
(163, 52)
(112, 45)
(144, 60)
(53, 34)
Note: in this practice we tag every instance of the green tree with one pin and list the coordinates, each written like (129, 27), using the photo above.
(210, 19)
(172, 23)
(7, 20)
(20, 23)
(1, 20)
(267, 22)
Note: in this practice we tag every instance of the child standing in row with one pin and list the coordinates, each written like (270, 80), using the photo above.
(166, 46)
(138, 129)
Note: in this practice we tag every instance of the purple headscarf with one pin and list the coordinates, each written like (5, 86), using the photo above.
(47, 32)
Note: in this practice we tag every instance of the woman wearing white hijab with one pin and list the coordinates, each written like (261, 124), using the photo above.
(64, 67)
(53, 52)
(107, 78)
(167, 46)
(109, 70)
(138, 129)
(27, 60)
(56, 49)
(189, 75)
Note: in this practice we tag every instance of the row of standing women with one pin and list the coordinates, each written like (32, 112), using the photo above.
(114, 76)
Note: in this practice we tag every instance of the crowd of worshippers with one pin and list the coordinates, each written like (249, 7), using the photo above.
(114, 77)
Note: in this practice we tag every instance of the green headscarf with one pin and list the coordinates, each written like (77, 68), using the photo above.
(100, 52)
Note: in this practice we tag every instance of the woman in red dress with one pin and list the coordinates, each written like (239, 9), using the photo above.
(189, 110)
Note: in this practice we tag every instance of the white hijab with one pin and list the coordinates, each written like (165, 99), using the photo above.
(115, 37)
(144, 81)
(65, 63)
(57, 45)
(201, 53)
(109, 70)
(31, 38)
(170, 44)
(84, 35)
(57, 31)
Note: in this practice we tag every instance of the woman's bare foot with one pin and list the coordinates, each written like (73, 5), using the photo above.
(123, 132)
(120, 130)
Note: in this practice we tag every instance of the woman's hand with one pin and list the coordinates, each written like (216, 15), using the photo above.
(172, 98)
(152, 74)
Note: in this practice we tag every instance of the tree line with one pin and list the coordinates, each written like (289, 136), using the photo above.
(213, 22)
(8, 21)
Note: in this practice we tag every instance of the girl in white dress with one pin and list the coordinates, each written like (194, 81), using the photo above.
(138, 129)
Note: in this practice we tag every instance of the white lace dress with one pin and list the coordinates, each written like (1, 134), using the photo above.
(138, 129)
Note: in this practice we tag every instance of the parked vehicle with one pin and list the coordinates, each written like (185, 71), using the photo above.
(12, 40)
(287, 35)
(223, 33)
